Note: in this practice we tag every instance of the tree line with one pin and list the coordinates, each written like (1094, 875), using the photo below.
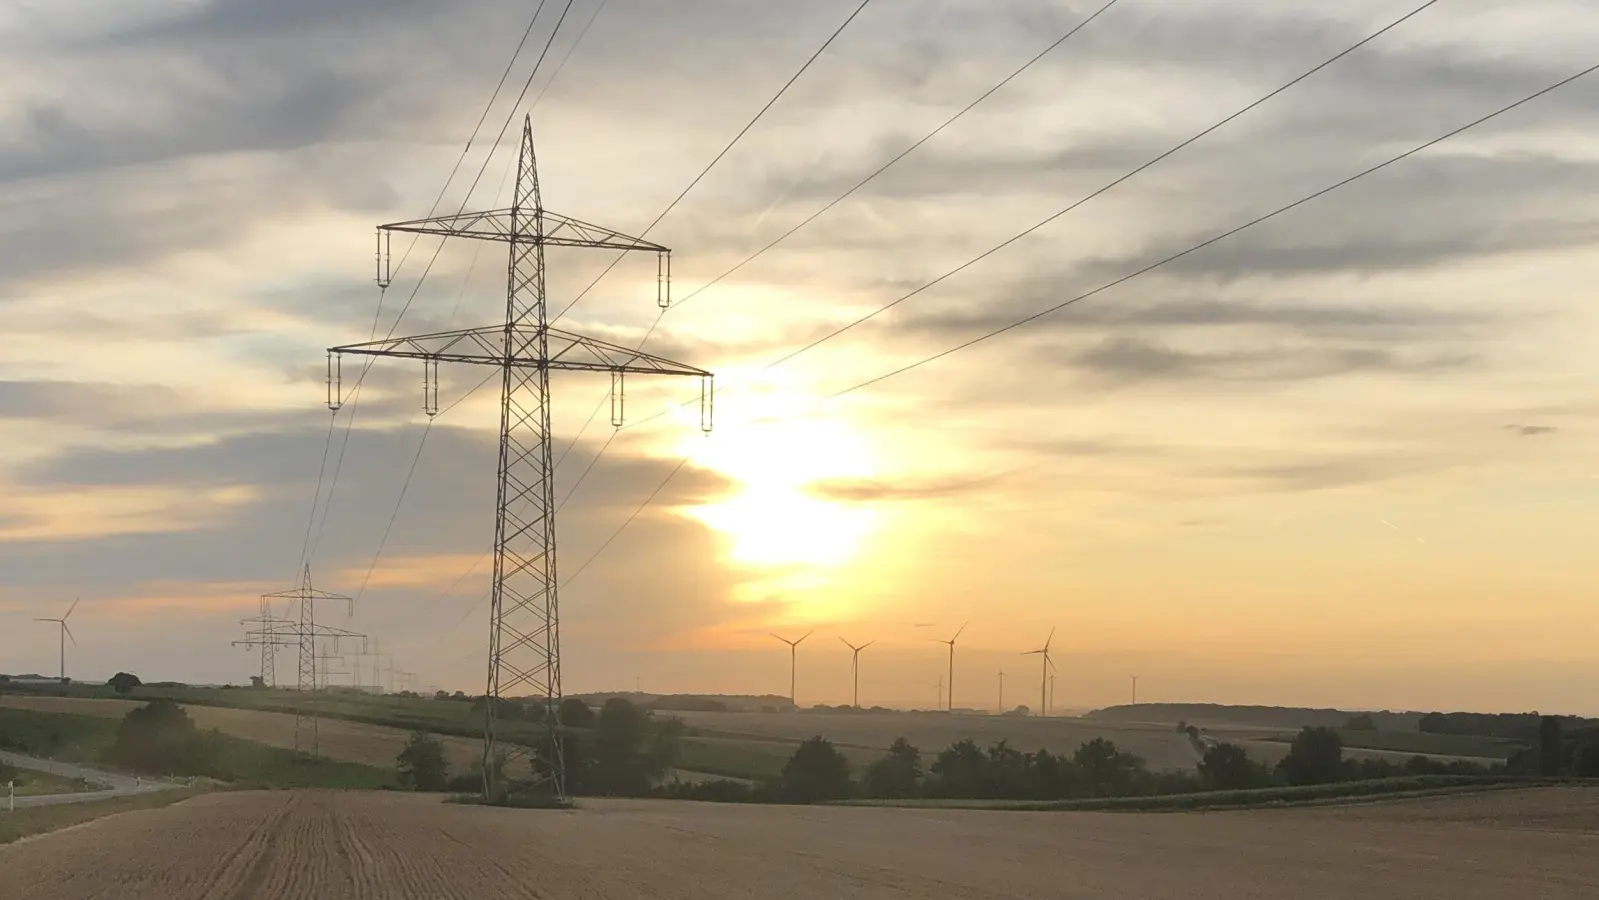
(819, 772)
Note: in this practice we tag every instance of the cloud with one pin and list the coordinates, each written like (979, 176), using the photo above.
(877, 490)
(1531, 430)
(1128, 359)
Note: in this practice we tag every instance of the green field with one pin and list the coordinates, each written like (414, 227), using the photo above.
(24, 823)
(68, 737)
(1461, 745)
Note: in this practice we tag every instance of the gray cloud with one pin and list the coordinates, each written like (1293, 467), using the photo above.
(1136, 359)
(1531, 430)
(875, 490)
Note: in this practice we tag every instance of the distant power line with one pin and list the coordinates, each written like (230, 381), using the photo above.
(1139, 272)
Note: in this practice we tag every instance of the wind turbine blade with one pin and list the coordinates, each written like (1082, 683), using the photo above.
(802, 640)
(958, 632)
(1031, 652)
(783, 639)
(1050, 638)
(71, 608)
(867, 644)
(69, 634)
(45, 620)
(847, 643)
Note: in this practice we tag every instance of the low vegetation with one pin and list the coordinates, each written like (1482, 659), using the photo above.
(23, 823)
(160, 739)
(1097, 775)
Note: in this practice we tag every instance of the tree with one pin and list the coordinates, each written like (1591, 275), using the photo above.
(576, 714)
(1227, 767)
(619, 766)
(960, 770)
(256, 681)
(1362, 722)
(123, 682)
(441, 695)
(1551, 747)
(1108, 771)
(816, 772)
(1316, 757)
(159, 737)
(421, 764)
(1587, 761)
(898, 774)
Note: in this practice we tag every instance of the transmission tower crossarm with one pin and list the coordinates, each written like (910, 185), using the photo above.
(555, 230)
(519, 346)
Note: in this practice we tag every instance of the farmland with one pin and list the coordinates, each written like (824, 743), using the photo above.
(297, 844)
(356, 742)
(869, 734)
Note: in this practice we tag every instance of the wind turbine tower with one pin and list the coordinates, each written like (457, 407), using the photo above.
(1135, 690)
(1002, 692)
(65, 633)
(950, 698)
(793, 655)
(1043, 680)
(855, 669)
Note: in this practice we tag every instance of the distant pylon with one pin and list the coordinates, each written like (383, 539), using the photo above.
(302, 634)
(267, 626)
(524, 652)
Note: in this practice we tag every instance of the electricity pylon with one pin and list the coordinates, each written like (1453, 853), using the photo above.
(267, 627)
(302, 634)
(524, 618)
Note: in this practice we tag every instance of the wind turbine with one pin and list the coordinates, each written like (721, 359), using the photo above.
(940, 692)
(65, 633)
(854, 667)
(951, 643)
(1043, 682)
(1135, 690)
(793, 648)
(1002, 692)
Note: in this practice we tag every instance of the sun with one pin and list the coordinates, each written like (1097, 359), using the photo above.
(777, 520)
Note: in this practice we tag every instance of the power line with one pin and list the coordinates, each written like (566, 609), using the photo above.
(1068, 35)
(1106, 188)
(1218, 238)
(1126, 278)
(725, 150)
(904, 153)
(367, 368)
(307, 546)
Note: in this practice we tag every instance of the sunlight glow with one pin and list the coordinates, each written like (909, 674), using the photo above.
(774, 521)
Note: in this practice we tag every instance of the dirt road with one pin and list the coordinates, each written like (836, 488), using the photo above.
(330, 846)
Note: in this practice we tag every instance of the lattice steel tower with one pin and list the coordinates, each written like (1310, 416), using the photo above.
(524, 654)
(303, 635)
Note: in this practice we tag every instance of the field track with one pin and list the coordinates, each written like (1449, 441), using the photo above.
(382, 846)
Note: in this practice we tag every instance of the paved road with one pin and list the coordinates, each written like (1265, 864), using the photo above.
(114, 785)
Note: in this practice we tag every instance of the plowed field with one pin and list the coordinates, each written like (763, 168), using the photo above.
(331, 846)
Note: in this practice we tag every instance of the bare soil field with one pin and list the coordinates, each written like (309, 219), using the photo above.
(294, 845)
(372, 745)
(1161, 746)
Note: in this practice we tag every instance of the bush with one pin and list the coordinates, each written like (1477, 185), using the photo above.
(815, 773)
(421, 764)
(159, 737)
(123, 682)
(898, 774)
(1227, 767)
(1316, 757)
(576, 714)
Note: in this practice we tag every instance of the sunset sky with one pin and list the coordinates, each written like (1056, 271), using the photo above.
(1344, 458)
